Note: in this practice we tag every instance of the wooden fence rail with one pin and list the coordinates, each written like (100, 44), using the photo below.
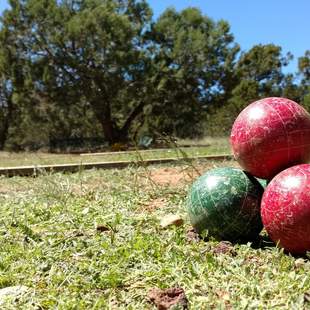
(39, 169)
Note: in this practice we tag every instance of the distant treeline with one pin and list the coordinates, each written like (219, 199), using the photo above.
(77, 69)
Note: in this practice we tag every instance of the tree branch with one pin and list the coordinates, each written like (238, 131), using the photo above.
(136, 112)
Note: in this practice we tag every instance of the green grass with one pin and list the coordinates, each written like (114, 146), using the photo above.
(213, 147)
(49, 243)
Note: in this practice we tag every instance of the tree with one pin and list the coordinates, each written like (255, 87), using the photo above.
(6, 105)
(263, 64)
(297, 87)
(107, 56)
(77, 67)
(304, 74)
(90, 51)
(11, 83)
(304, 67)
(193, 58)
(257, 74)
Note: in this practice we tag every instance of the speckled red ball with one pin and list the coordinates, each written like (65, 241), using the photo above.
(270, 135)
(285, 209)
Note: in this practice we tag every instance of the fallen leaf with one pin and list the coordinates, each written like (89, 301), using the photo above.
(165, 299)
(171, 219)
(225, 247)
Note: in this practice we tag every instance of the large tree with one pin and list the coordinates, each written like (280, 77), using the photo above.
(193, 59)
(263, 65)
(91, 51)
(109, 57)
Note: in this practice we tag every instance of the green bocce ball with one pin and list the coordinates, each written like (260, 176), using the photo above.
(225, 202)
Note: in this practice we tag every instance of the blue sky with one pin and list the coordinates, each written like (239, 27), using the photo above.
(282, 22)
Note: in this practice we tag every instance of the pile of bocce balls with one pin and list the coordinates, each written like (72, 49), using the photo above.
(270, 139)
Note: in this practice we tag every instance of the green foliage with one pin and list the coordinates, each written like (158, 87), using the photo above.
(193, 60)
(257, 74)
(304, 74)
(83, 53)
(304, 67)
(105, 68)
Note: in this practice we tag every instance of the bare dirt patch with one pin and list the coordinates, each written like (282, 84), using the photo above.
(174, 177)
(180, 176)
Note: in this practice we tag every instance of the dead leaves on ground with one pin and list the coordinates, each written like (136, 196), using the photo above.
(224, 247)
(167, 298)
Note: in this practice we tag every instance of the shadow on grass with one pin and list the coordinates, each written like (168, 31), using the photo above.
(259, 242)
(262, 242)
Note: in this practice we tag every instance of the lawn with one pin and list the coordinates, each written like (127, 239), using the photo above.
(93, 240)
(202, 147)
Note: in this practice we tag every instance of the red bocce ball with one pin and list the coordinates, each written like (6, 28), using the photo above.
(285, 209)
(270, 135)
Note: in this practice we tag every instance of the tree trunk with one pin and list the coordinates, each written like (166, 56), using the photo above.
(108, 130)
(103, 114)
(4, 134)
(6, 124)
(111, 131)
(132, 116)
